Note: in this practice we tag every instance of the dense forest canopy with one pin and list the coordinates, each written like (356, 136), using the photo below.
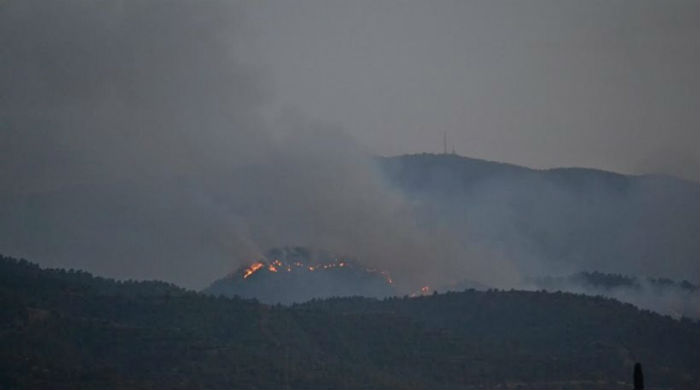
(69, 329)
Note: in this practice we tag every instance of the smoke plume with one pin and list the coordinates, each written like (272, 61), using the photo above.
(136, 143)
(141, 140)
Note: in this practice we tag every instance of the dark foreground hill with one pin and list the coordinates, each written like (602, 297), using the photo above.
(61, 329)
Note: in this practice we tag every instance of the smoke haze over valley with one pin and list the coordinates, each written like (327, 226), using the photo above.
(156, 140)
(326, 194)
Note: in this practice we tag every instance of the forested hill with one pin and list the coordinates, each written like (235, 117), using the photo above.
(558, 220)
(62, 329)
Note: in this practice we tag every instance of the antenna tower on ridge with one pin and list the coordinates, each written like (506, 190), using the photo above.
(444, 142)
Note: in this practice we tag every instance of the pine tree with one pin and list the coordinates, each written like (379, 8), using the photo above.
(638, 377)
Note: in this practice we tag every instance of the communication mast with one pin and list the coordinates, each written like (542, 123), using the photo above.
(444, 142)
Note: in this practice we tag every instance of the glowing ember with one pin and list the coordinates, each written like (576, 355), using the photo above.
(252, 269)
(277, 265)
(425, 290)
(387, 277)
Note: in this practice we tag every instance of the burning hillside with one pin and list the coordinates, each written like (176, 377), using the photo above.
(277, 265)
(291, 275)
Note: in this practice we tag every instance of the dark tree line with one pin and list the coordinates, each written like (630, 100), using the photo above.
(61, 329)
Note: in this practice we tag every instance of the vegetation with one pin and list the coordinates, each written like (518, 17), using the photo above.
(612, 281)
(63, 329)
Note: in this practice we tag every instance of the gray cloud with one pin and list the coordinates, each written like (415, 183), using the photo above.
(117, 116)
(544, 83)
(146, 139)
(135, 143)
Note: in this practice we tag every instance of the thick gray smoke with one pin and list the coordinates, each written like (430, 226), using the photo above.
(138, 140)
(660, 295)
(135, 143)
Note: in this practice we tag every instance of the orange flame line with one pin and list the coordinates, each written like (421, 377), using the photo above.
(252, 269)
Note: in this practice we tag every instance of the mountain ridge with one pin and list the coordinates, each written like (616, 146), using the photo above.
(561, 220)
(509, 165)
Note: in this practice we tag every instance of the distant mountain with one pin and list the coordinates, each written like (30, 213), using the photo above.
(603, 281)
(289, 275)
(678, 299)
(558, 221)
(67, 329)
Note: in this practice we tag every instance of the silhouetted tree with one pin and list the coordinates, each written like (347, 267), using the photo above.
(638, 377)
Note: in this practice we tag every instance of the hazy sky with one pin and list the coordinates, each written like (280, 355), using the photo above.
(178, 140)
(136, 141)
(606, 84)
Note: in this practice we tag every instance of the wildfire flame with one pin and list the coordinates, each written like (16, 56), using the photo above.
(387, 277)
(252, 269)
(277, 265)
(425, 290)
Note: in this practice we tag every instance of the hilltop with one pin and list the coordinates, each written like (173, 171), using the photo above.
(296, 274)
